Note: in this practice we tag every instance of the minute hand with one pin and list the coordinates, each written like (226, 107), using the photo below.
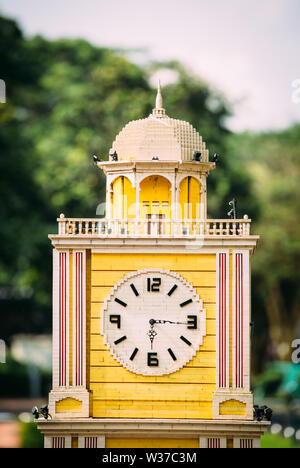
(168, 321)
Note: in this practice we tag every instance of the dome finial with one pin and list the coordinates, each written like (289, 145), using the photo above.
(159, 101)
(159, 111)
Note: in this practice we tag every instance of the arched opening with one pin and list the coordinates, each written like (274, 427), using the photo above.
(123, 198)
(155, 200)
(190, 198)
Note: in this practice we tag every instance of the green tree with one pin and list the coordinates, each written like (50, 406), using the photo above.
(67, 101)
(273, 161)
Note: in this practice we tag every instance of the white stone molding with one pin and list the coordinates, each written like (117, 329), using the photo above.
(79, 318)
(62, 388)
(240, 296)
(89, 441)
(222, 319)
(212, 442)
(241, 304)
(60, 441)
(61, 312)
(79, 394)
(155, 428)
(231, 394)
(245, 443)
(111, 178)
(181, 176)
(166, 175)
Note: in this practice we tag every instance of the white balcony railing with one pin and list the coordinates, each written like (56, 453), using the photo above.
(153, 227)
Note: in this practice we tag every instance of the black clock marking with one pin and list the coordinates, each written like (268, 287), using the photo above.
(134, 354)
(192, 322)
(152, 360)
(134, 289)
(172, 290)
(186, 340)
(116, 319)
(186, 303)
(120, 302)
(154, 286)
(172, 354)
(121, 339)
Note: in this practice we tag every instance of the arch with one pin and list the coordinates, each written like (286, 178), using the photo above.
(190, 198)
(123, 198)
(169, 177)
(112, 178)
(181, 177)
(155, 196)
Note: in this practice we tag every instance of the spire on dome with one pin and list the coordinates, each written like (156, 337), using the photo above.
(159, 111)
(159, 101)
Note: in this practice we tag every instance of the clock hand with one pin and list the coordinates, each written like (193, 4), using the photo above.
(152, 334)
(153, 322)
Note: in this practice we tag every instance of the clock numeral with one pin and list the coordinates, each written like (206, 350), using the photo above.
(186, 303)
(120, 302)
(121, 339)
(116, 319)
(134, 354)
(192, 322)
(185, 340)
(134, 289)
(152, 360)
(172, 354)
(172, 290)
(154, 285)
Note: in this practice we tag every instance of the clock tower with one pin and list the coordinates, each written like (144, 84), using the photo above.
(151, 306)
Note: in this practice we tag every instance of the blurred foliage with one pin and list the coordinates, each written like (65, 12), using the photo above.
(31, 437)
(15, 380)
(277, 441)
(279, 379)
(67, 100)
(272, 160)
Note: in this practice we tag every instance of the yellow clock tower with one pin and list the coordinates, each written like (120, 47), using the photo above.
(151, 306)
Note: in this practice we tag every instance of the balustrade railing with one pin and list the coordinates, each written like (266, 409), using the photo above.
(153, 227)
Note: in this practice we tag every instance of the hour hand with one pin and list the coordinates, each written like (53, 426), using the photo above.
(152, 334)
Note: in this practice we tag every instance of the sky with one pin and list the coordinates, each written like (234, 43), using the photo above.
(247, 49)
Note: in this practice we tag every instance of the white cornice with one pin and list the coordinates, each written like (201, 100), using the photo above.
(153, 427)
(155, 245)
(110, 167)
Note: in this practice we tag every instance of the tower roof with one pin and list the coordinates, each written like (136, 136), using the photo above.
(159, 136)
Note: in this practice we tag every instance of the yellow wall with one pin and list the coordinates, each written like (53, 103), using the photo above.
(68, 405)
(117, 392)
(123, 199)
(155, 197)
(233, 407)
(189, 199)
(151, 443)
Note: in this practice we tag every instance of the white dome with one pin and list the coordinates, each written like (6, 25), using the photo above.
(159, 136)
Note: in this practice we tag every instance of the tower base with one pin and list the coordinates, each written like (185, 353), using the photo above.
(151, 433)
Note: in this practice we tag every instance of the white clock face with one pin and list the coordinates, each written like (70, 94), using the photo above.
(153, 322)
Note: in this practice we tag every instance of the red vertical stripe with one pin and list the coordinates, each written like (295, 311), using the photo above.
(79, 318)
(239, 304)
(62, 318)
(77, 312)
(242, 323)
(222, 320)
(65, 318)
(58, 442)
